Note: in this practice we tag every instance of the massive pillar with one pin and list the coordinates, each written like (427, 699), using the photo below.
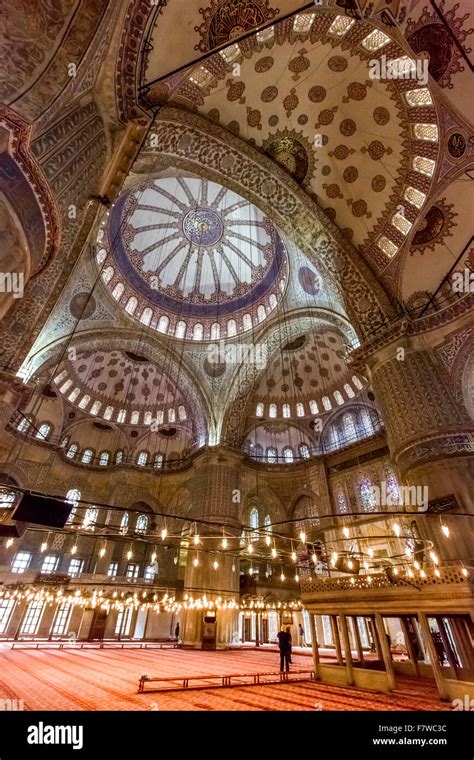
(429, 431)
(212, 572)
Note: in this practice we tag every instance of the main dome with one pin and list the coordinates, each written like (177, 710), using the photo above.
(191, 258)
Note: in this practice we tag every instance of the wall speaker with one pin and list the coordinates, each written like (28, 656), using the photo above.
(12, 530)
(42, 510)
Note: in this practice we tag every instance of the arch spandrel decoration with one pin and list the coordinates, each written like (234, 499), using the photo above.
(192, 143)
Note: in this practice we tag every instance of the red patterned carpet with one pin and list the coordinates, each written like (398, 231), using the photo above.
(108, 680)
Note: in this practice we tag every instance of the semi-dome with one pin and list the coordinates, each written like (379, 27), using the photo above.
(193, 259)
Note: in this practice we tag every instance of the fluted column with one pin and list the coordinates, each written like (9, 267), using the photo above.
(214, 486)
(429, 431)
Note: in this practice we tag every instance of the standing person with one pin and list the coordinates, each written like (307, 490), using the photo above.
(301, 634)
(176, 632)
(290, 640)
(284, 644)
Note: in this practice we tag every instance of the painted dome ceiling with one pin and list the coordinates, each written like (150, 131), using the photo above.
(303, 92)
(122, 387)
(309, 376)
(191, 258)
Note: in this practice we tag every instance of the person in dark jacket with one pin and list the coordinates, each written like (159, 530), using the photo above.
(176, 632)
(284, 644)
(288, 630)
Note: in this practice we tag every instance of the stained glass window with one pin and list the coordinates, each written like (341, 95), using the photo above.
(124, 523)
(272, 455)
(341, 502)
(304, 451)
(393, 490)
(90, 518)
(142, 524)
(43, 431)
(366, 495)
(348, 424)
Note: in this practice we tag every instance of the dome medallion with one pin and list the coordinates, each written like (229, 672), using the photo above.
(191, 258)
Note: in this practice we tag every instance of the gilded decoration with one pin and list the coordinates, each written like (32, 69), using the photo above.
(292, 151)
(223, 20)
(441, 35)
(434, 228)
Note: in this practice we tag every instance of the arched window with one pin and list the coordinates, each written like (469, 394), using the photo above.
(180, 330)
(338, 397)
(7, 498)
(141, 524)
(104, 458)
(163, 324)
(305, 514)
(272, 455)
(257, 451)
(134, 417)
(393, 489)
(326, 404)
(117, 292)
(288, 454)
(231, 327)
(267, 523)
(142, 458)
(72, 451)
(65, 386)
(313, 407)
(366, 422)
(300, 410)
(119, 457)
(254, 522)
(366, 495)
(171, 415)
(146, 316)
(74, 394)
(107, 274)
(348, 390)
(148, 418)
(215, 331)
(131, 305)
(349, 427)
(87, 455)
(272, 301)
(90, 518)
(24, 424)
(272, 410)
(333, 437)
(261, 313)
(121, 416)
(158, 461)
(95, 408)
(84, 401)
(198, 332)
(160, 416)
(304, 451)
(247, 322)
(357, 382)
(259, 410)
(73, 497)
(341, 502)
(64, 442)
(124, 523)
(43, 431)
(59, 378)
(101, 254)
(181, 412)
(286, 410)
